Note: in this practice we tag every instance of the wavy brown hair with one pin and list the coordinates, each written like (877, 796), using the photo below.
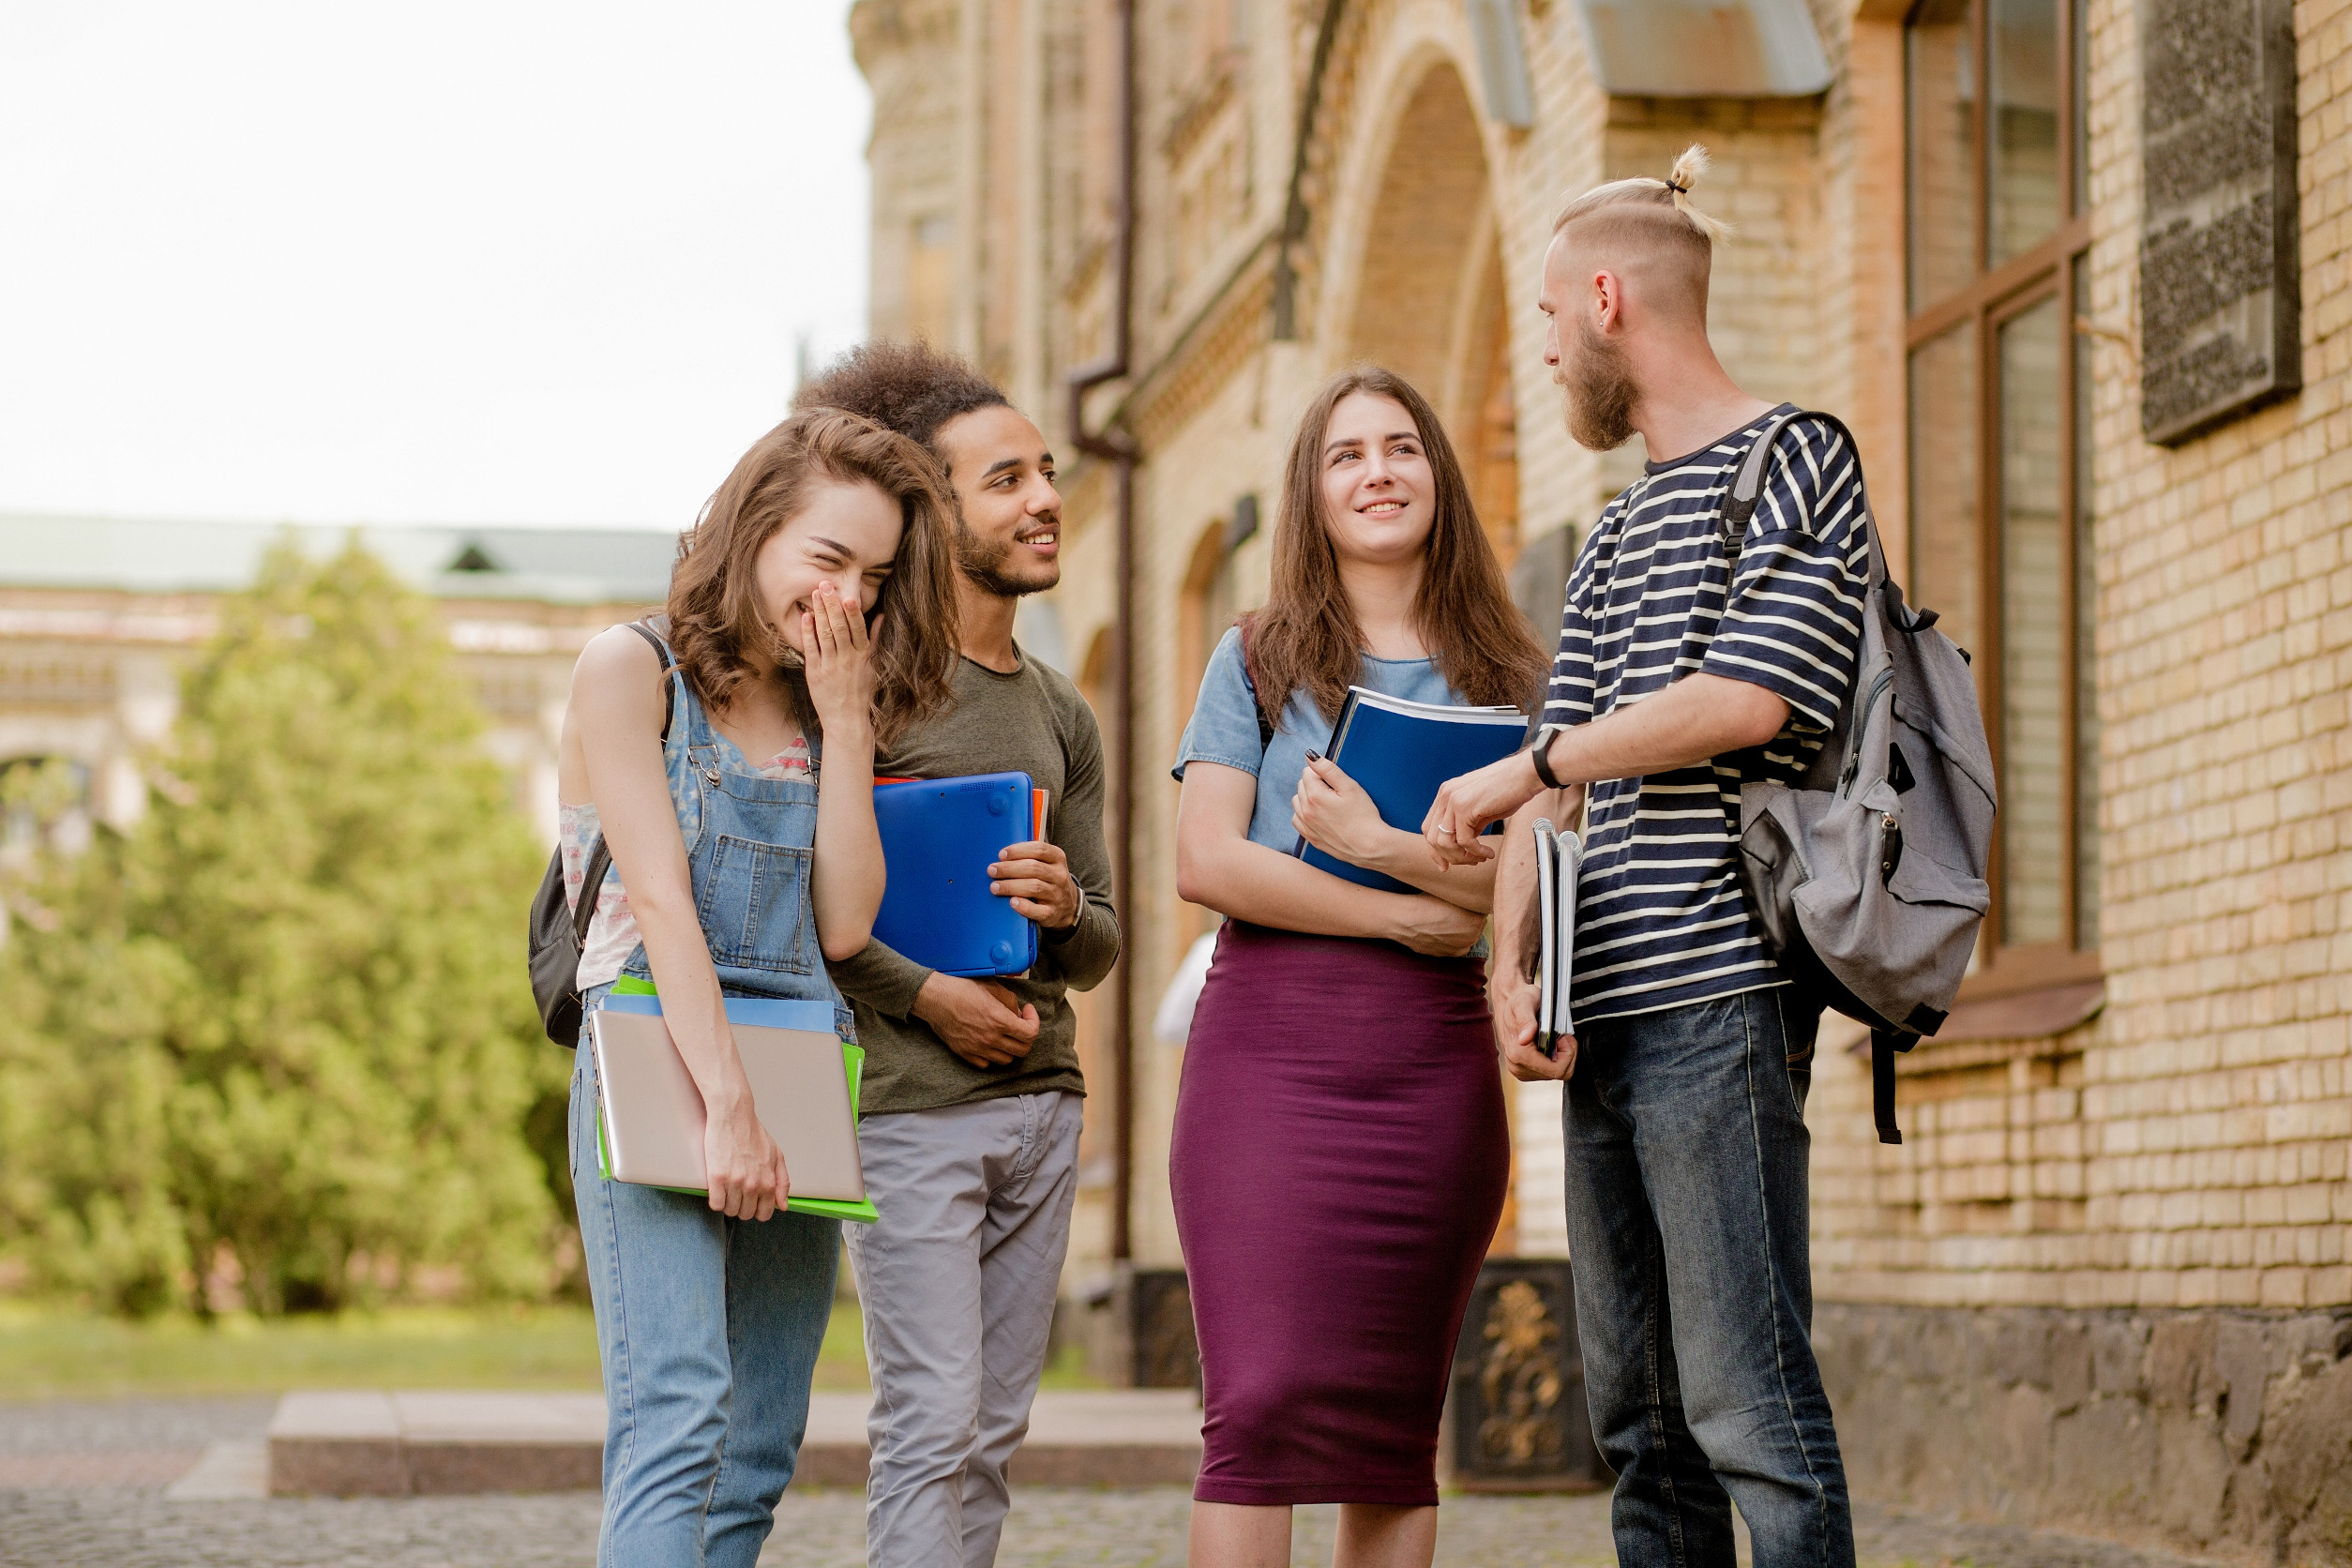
(1307, 638)
(713, 603)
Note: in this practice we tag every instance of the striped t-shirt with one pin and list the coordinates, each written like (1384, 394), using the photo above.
(1661, 920)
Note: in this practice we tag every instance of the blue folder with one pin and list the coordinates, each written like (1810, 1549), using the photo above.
(940, 837)
(1402, 752)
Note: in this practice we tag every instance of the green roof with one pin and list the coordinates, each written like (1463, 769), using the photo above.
(554, 566)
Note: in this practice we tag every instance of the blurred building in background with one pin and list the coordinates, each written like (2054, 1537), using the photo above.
(2076, 271)
(97, 615)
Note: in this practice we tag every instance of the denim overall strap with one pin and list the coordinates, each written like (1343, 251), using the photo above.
(750, 844)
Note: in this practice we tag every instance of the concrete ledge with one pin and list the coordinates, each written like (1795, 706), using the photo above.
(363, 1443)
(228, 1471)
(1139, 1437)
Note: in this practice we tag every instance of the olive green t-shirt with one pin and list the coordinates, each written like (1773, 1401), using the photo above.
(1030, 722)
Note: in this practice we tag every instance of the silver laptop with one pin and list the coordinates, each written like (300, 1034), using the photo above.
(653, 1119)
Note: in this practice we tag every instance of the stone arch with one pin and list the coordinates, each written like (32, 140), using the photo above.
(1093, 675)
(1413, 268)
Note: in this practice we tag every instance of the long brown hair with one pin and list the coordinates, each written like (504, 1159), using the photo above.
(713, 598)
(1306, 637)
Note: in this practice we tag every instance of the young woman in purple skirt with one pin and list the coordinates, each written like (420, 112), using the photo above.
(1340, 1151)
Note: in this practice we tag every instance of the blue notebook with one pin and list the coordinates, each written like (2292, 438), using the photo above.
(1402, 753)
(940, 837)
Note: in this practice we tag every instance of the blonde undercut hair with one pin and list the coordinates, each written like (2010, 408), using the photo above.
(1649, 226)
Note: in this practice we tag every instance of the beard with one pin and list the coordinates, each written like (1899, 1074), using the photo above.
(1601, 391)
(993, 568)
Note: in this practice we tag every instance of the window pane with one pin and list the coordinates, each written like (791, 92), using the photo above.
(1945, 572)
(2085, 612)
(2023, 196)
(1939, 74)
(2036, 665)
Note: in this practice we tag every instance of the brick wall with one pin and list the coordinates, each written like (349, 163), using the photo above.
(2187, 1147)
(2165, 1184)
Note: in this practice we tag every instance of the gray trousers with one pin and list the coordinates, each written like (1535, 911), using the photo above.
(957, 1283)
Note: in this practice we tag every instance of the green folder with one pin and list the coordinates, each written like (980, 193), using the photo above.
(853, 1065)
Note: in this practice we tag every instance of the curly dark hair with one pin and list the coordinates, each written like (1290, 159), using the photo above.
(910, 387)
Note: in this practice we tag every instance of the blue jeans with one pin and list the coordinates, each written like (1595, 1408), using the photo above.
(708, 1328)
(1686, 1155)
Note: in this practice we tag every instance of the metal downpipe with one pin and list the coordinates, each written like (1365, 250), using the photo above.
(1118, 448)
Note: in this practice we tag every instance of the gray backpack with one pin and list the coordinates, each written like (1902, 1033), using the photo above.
(1866, 880)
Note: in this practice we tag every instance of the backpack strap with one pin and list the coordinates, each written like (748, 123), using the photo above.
(1747, 491)
(1249, 679)
(1747, 486)
(591, 889)
(669, 688)
(1884, 1042)
(600, 858)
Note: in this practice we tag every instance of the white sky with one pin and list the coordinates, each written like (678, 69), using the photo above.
(510, 261)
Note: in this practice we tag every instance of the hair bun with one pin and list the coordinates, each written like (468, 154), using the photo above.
(1687, 168)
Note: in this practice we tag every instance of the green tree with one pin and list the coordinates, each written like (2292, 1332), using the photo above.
(285, 1019)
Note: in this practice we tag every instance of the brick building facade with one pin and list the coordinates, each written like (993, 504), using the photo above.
(2104, 1282)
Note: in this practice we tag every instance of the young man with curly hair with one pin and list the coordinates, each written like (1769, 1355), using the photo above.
(972, 1092)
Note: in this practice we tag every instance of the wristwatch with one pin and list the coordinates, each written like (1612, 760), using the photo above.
(1540, 754)
(1064, 933)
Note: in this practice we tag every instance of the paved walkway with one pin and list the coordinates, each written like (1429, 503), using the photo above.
(93, 1483)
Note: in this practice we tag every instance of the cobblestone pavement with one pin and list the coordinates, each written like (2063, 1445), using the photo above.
(122, 1525)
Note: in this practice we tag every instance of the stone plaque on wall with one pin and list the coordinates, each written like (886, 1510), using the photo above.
(2218, 241)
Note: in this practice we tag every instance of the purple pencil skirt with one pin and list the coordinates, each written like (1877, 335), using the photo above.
(1339, 1162)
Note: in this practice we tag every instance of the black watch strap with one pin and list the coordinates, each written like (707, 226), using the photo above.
(1540, 755)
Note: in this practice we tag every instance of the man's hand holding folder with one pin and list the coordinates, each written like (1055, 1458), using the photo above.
(1036, 876)
(979, 1020)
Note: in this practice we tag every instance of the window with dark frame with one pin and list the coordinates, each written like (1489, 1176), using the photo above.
(1999, 403)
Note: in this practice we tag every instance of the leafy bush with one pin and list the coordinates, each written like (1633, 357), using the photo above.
(283, 1021)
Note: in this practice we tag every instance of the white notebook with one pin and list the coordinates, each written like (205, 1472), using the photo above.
(653, 1117)
(1559, 858)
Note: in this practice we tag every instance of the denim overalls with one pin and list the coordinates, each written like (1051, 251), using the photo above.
(709, 1327)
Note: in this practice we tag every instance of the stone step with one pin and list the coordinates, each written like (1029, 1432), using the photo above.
(375, 1444)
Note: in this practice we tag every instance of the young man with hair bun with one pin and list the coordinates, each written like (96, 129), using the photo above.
(1680, 673)
(973, 1094)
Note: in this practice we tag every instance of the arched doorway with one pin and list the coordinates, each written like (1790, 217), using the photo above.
(1429, 301)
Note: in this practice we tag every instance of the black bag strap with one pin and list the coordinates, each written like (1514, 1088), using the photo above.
(1249, 679)
(668, 690)
(591, 887)
(1884, 1042)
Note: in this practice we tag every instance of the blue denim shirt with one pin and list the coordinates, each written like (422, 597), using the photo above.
(1224, 729)
(751, 851)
